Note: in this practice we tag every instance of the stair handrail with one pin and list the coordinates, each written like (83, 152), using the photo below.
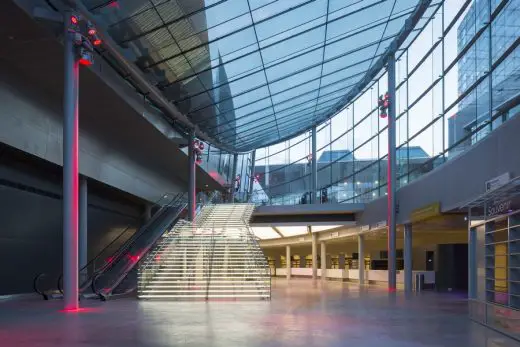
(117, 254)
(191, 224)
(146, 261)
(103, 296)
(252, 237)
(150, 264)
(98, 255)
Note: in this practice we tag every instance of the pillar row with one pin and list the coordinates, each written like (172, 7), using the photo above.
(314, 256)
(408, 266)
(323, 260)
(288, 260)
(361, 258)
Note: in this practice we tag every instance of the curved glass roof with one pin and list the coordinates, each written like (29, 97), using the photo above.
(251, 73)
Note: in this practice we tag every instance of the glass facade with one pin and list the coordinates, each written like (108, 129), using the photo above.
(219, 165)
(458, 79)
(251, 73)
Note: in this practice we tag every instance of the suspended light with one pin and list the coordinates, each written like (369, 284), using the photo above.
(85, 58)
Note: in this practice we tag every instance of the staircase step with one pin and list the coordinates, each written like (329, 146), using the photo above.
(222, 256)
(203, 296)
(184, 277)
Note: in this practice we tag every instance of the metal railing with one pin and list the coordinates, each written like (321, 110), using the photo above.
(92, 267)
(124, 259)
(212, 255)
(152, 262)
(255, 246)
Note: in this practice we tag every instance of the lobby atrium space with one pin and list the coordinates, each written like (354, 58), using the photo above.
(260, 173)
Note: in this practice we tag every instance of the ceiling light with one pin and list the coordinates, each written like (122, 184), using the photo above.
(264, 233)
(292, 230)
(317, 228)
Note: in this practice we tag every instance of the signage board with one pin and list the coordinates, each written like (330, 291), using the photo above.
(334, 234)
(365, 227)
(498, 208)
(498, 181)
(426, 212)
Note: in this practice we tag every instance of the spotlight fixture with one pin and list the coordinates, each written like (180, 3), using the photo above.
(197, 148)
(93, 35)
(84, 41)
(85, 57)
(74, 19)
(91, 30)
(383, 104)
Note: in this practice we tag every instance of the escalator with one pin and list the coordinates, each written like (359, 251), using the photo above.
(108, 270)
(103, 283)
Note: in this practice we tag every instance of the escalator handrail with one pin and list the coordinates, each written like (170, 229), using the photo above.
(35, 285)
(132, 240)
(215, 195)
(116, 253)
(94, 288)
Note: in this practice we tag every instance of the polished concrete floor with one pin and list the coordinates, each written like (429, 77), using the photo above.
(300, 314)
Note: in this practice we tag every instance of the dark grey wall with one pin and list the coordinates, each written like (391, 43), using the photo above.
(30, 219)
(460, 179)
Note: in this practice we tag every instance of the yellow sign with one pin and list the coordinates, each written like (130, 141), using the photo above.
(426, 212)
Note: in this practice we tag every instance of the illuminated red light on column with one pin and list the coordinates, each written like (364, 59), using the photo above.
(85, 62)
(74, 20)
(96, 42)
(91, 31)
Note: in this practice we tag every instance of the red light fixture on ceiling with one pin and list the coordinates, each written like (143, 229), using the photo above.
(92, 31)
(96, 42)
(74, 20)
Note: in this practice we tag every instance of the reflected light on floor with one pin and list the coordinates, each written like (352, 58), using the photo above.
(80, 310)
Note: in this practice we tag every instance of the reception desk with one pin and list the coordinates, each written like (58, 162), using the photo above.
(372, 276)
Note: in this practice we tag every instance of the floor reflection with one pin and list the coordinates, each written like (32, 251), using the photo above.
(301, 313)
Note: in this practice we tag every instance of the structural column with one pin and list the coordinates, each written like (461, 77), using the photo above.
(323, 260)
(408, 278)
(233, 178)
(341, 261)
(391, 176)
(191, 177)
(314, 168)
(314, 256)
(288, 260)
(70, 173)
(361, 258)
(472, 263)
(303, 261)
(251, 176)
(83, 230)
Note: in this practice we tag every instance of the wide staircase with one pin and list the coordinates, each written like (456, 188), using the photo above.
(216, 257)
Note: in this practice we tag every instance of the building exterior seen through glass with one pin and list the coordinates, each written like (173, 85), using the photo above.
(458, 80)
